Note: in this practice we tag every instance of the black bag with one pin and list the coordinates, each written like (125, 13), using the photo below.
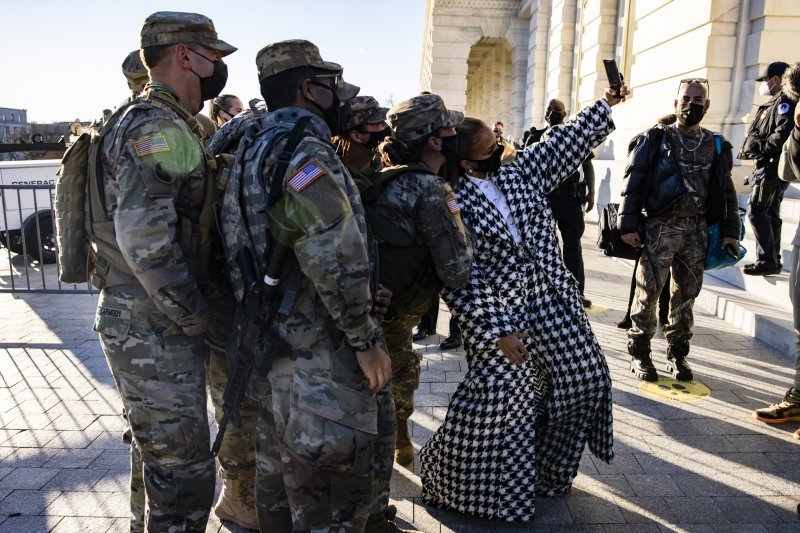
(609, 236)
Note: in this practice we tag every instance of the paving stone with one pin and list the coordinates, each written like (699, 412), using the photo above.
(114, 505)
(77, 503)
(653, 485)
(747, 510)
(644, 510)
(71, 524)
(28, 478)
(695, 510)
(26, 502)
(593, 510)
(71, 458)
(28, 524)
(75, 479)
(624, 463)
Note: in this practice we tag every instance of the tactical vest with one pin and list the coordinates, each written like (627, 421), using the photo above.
(405, 266)
(87, 242)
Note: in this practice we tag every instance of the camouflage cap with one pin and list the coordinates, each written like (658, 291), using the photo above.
(421, 115)
(171, 27)
(286, 55)
(365, 110)
(134, 71)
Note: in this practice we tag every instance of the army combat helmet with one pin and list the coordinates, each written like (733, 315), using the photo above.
(420, 116)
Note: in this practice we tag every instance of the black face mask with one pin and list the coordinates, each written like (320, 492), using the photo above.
(691, 114)
(211, 86)
(376, 137)
(450, 147)
(491, 163)
(554, 118)
(336, 116)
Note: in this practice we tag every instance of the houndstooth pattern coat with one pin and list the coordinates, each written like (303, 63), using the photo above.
(515, 432)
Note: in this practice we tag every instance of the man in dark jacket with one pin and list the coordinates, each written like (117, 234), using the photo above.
(770, 129)
(788, 410)
(680, 176)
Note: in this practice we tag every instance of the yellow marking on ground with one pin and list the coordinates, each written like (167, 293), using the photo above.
(676, 391)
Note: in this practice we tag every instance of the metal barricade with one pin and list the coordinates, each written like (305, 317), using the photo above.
(28, 234)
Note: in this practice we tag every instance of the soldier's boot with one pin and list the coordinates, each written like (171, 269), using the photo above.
(676, 361)
(390, 512)
(641, 364)
(403, 450)
(237, 503)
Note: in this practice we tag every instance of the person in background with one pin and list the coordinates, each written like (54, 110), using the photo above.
(788, 410)
(223, 108)
(770, 128)
(569, 200)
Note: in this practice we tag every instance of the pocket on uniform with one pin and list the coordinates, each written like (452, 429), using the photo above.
(112, 322)
(330, 425)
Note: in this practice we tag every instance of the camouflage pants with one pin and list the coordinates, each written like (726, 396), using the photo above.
(677, 245)
(315, 442)
(160, 377)
(405, 363)
(237, 455)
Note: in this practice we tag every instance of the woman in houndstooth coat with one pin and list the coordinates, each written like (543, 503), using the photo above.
(537, 387)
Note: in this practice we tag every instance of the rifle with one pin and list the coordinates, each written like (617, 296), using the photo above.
(253, 346)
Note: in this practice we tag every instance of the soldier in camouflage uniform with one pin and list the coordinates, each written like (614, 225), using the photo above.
(319, 416)
(135, 73)
(423, 206)
(152, 314)
(367, 127)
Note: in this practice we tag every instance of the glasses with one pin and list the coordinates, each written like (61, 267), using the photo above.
(336, 80)
(701, 81)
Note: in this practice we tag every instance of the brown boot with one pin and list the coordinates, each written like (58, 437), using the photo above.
(237, 503)
(403, 450)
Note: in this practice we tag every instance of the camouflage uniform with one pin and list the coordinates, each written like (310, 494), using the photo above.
(422, 205)
(318, 422)
(151, 312)
(360, 157)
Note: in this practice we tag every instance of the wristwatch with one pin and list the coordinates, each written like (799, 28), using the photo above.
(366, 346)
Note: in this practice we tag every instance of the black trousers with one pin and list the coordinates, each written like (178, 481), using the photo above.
(429, 318)
(568, 213)
(766, 223)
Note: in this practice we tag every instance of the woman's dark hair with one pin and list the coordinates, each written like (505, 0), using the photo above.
(221, 103)
(280, 90)
(394, 152)
(469, 136)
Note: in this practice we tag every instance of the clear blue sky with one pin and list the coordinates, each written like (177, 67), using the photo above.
(61, 59)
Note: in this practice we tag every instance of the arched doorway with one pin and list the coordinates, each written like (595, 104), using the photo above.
(489, 81)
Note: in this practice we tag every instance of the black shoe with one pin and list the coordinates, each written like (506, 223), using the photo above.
(643, 368)
(451, 342)
(762, 270)
(679, 369)
(586, 302)
(420, 333)
(625, 323)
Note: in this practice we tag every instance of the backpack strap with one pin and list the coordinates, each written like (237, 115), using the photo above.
(297, 134)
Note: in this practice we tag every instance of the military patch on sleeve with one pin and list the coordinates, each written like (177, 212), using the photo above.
(305, 176)
(151, 145)
(783, 108)
(453, 205)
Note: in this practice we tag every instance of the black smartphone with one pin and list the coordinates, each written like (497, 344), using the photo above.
(612, 73)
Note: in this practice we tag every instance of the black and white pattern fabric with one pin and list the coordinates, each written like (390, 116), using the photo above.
(516, 432)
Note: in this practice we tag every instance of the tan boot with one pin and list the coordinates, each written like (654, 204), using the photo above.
(237, 503)
(403, 450)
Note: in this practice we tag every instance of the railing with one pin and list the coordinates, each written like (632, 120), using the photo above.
(30, 263)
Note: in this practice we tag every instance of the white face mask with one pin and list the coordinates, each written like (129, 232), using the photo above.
(763, 89)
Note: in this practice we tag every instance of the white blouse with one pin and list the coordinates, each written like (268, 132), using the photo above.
(496, 197)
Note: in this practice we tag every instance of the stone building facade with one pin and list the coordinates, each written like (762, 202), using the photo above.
(504, 59)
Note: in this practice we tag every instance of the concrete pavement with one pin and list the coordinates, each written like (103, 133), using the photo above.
(696, 466)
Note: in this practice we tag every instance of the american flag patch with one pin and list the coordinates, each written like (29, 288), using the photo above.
(304, 177)
(151, 145)
(453, 205)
